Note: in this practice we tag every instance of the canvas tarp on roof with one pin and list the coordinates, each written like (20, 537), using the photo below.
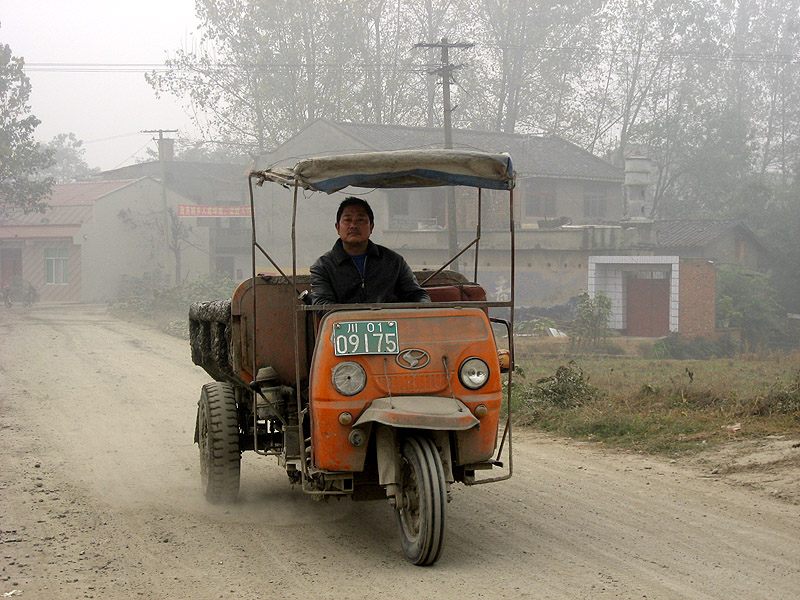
(397, 169)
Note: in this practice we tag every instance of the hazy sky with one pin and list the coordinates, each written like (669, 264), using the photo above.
(96, 106)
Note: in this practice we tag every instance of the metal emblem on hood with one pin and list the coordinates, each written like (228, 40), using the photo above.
(413, 358)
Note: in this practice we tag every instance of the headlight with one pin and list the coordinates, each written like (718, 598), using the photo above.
(473, 373)
(349, 378)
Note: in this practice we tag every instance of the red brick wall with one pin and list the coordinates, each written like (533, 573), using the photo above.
(697, 299)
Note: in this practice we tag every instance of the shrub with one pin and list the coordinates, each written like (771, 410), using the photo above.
(147, 297)
(748, 301)
(782, 399)
(535, 326)
(591, 323)
(568, 388)
(675, 347)
(207, 287)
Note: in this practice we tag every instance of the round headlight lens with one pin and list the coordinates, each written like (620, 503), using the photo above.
(473, 373)
(349, 378)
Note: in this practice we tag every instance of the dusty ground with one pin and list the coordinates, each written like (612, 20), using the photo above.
(100, 499)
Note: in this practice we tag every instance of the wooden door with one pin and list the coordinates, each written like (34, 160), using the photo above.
(647, 307)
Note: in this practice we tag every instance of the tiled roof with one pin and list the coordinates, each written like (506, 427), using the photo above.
(674, 233)
(38, 231)
(534, 156)
(232, 173)
(69, 204)
(84, 192)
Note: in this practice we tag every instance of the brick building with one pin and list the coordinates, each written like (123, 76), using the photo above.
(653, 296)
(93, 236)
(569, 215)
(725, 241)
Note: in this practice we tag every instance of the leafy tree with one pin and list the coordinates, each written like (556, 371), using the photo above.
(21, 157)
(69, 162)
(749, 302)
(777, 221)
(734, 106)
(709, 90)
(591, 321)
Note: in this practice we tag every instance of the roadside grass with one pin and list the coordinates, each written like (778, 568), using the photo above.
(663, 406)
(672, 407)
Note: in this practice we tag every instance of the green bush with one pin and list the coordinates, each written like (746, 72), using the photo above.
(568, 388)
(747, 300)
(147, 298)
(591, 323)
(207, 287)
(534, 326)
(675, 347)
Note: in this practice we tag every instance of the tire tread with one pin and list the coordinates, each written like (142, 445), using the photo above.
(224, 468)
(427, 549)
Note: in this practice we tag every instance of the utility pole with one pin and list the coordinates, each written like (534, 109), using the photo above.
(446, 72)
(162, 159)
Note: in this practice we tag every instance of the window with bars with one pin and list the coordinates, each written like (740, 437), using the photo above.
(594, 202)
(55, 265)
(540, 199)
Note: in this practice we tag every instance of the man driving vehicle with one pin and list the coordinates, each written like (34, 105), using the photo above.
(356, 270)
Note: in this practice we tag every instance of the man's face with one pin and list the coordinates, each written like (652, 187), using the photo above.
(354, 227)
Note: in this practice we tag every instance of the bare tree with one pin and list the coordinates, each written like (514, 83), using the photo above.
(151, 224)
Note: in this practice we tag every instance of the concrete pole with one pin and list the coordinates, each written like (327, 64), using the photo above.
(452, 218)
(446, 71)
(162, 159)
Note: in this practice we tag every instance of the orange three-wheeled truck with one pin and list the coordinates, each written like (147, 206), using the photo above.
(370, 401)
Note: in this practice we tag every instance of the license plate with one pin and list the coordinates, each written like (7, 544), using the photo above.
(365, 337)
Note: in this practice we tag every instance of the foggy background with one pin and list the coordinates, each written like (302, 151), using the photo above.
(707, 90)
(86, 59)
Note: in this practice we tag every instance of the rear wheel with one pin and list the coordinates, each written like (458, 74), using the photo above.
(218, 438)
(420, 515)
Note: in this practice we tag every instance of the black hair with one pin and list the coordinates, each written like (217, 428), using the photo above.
(354, 201)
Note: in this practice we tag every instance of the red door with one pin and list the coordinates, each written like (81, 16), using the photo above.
(648, 307)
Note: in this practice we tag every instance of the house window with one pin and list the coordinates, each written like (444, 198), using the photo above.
(397, 203)
(540, 199)
(55, 265)
(594, 202)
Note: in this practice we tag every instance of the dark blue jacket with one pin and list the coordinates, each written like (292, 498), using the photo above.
(335, 279)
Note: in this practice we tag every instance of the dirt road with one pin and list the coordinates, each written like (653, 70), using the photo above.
(100, 499)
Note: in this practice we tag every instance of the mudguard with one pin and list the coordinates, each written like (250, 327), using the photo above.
(419, 412)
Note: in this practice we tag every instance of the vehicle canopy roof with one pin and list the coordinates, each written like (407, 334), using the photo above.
(396, 169)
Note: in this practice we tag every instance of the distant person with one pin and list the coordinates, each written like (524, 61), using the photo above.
(30, 294)
(6, 294)
(356, 270)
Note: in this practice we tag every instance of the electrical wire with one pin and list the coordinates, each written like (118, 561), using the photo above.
(54, 67)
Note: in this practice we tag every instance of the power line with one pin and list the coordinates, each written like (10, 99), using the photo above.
(221, 66)
(109, 67)
(113, 137)
(123, 161)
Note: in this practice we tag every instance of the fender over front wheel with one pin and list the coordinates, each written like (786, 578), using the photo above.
(218, 438)
(420, 514)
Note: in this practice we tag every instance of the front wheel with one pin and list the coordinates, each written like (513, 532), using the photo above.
(420, 514)
(218, 438)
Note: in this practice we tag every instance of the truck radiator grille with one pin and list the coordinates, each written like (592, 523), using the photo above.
(417, 383)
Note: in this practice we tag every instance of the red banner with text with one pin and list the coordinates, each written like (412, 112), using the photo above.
(199, 210)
